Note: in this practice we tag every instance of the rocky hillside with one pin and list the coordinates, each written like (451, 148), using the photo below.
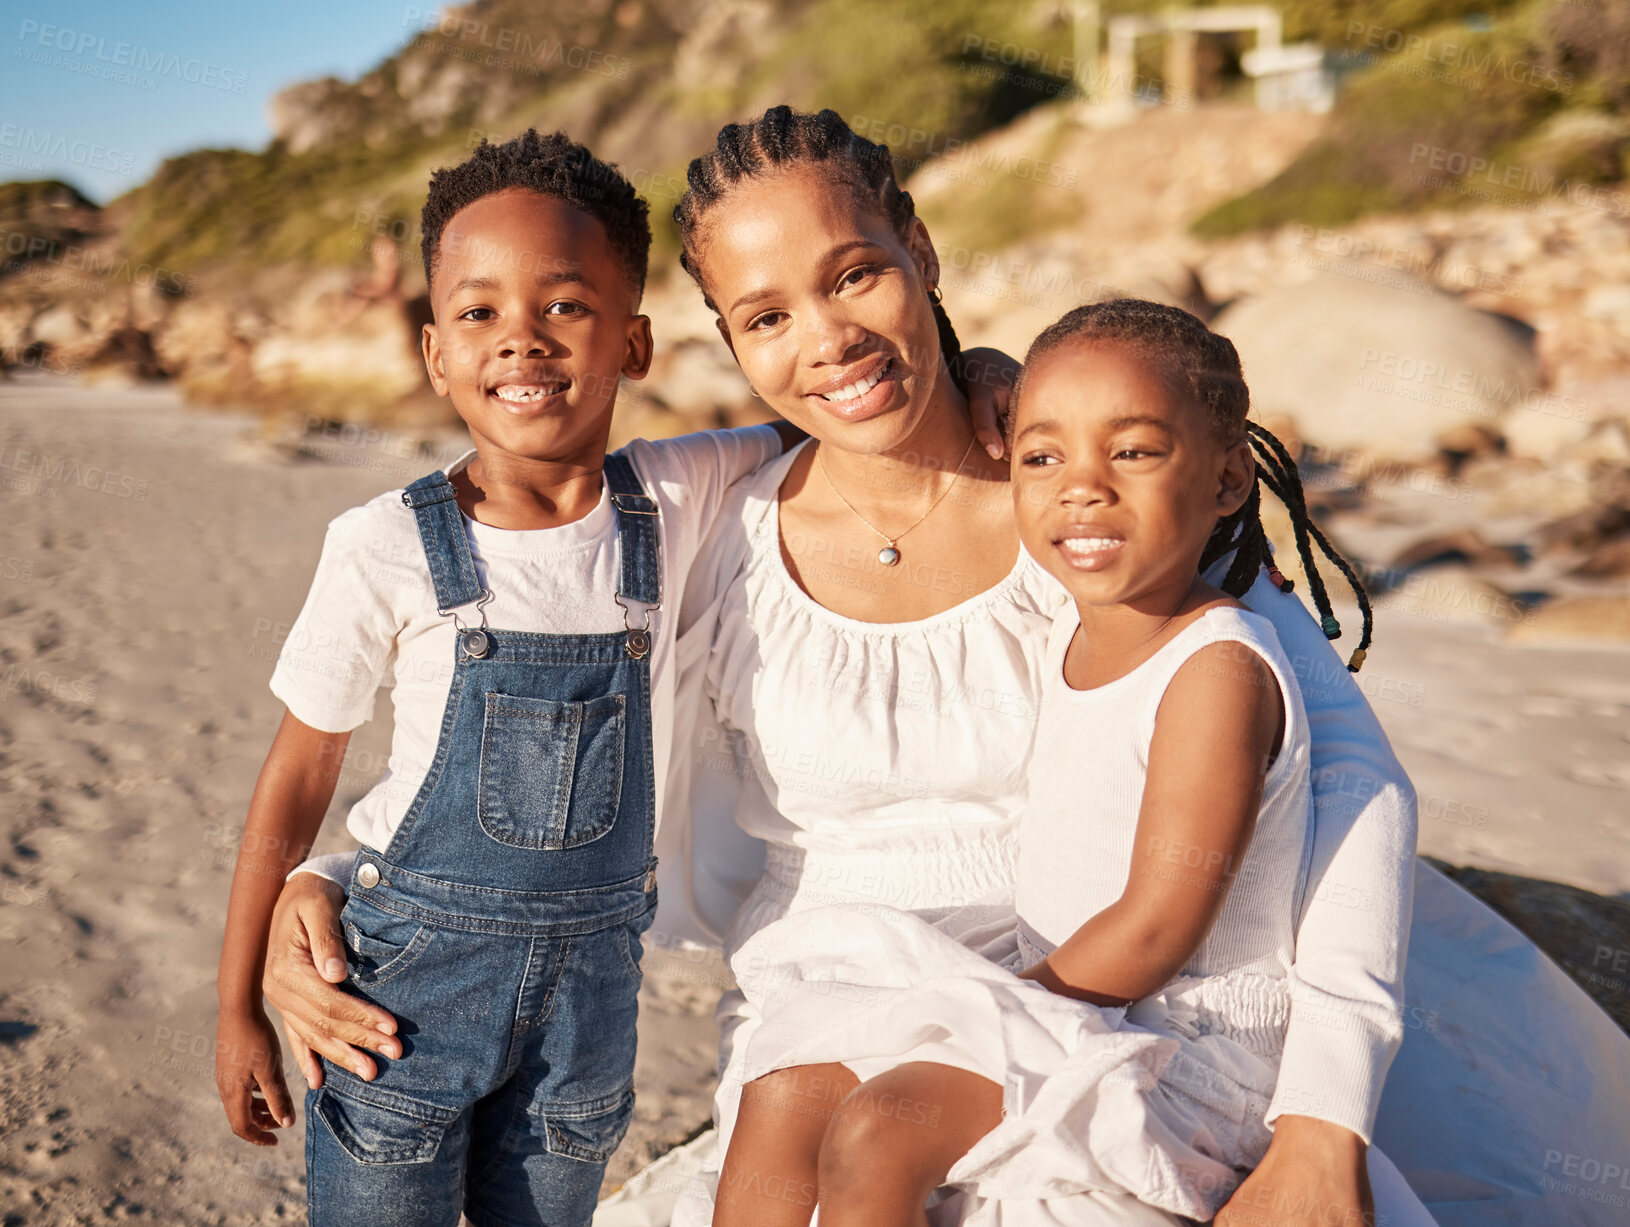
(289, 279)
(1459, 103)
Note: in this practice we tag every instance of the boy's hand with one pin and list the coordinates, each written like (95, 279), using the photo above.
(249, 1076)
(1314, 1172)
(990, 374)
(305, 958)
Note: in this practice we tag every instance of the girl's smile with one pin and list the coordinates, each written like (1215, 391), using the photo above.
(1089, 547)
(1119, 478)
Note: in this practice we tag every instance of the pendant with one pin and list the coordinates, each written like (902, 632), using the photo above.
(888, 555)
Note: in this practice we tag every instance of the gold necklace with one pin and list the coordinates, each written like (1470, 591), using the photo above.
(890, 553)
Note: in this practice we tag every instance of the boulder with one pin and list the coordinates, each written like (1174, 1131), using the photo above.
(1386, 368)
(1454, 595)
(1578, 620)
(61, 327)
(1587, 935)
(697, 379)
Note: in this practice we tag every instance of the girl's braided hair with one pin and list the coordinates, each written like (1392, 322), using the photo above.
(778, 140)
(1208, 367)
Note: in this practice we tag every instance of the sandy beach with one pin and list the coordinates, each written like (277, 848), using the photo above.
(151, 559)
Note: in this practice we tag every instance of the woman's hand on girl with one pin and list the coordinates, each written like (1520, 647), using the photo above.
(990, 375)
(1314, 1172)
(305, 959)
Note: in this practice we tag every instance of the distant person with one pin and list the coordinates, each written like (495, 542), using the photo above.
(520, 606)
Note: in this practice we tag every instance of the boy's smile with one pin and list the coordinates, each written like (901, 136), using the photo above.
(536, 323)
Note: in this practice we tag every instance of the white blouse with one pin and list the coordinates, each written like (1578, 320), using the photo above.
(855, 733)
(885, 762)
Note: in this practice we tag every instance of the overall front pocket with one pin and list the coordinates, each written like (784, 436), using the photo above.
(551, 772)
(380, 945)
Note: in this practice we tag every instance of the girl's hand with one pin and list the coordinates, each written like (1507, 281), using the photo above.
(249, 1076)
(305, 958)
(1314, 1172)
(990, 374)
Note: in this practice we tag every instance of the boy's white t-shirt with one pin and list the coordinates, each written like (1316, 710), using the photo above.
(370, 619)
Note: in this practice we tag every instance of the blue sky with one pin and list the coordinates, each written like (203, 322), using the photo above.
(194, 74)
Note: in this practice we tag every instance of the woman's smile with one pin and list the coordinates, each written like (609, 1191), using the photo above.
(864, 391)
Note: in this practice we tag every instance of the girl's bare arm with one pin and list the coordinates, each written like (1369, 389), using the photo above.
(1218, 725)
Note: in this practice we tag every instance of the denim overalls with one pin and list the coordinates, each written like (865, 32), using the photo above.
(502, 925)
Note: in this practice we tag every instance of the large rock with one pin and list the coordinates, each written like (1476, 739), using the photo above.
(1588, 935)
(1575, 620)
(1384, 366)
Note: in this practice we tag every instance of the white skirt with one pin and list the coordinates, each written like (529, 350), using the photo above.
(1163, 1104)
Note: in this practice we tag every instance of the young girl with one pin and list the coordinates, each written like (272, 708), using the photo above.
(1163, 854)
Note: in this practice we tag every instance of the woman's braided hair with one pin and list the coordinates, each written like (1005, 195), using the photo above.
(782, 138)
(1208, 367)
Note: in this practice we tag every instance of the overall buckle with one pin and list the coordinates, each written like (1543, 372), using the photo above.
(638, 644)
(473, 641)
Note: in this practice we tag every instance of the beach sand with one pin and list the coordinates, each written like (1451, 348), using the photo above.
(151, 558)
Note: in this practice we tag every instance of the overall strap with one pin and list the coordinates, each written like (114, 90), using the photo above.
(446, 548)
(640, 583)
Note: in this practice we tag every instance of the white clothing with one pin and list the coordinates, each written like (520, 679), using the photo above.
(1087, 777)
(1164, 1100)
(913, 711)
(966, 677)
(855, 734)
(370, 619)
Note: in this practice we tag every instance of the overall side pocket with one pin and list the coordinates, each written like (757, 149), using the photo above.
(551, 772)
(380, 945)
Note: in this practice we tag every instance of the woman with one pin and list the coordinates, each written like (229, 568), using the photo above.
(869, 634)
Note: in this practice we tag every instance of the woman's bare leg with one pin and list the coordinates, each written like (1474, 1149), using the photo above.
(894, 1138)
(769, 1171)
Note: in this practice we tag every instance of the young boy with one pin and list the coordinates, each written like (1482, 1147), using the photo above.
(516, 603)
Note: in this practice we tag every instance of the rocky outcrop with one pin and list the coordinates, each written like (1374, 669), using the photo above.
(1388, 369)
(1587, 935)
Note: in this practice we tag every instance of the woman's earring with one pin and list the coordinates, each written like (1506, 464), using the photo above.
(754, 391)
(935, 296)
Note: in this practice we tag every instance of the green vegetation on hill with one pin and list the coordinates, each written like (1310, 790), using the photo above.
(645, 83)
(42, 216)
(1518, 110)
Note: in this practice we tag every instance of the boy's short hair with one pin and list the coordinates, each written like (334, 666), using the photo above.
(554, 165)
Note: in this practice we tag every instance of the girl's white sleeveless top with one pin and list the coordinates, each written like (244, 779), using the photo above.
(1086, 785)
